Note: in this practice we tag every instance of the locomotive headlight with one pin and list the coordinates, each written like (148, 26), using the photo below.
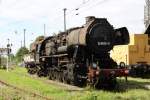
(94, 65)
(43, 59)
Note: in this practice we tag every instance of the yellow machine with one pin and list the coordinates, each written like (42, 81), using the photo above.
(138, 51)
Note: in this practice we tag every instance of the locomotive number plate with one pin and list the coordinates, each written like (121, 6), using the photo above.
(103, 43)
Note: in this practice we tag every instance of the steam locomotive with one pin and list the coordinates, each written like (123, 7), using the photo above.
(80, 55)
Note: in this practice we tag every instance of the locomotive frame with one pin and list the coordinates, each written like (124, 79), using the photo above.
(81, 55)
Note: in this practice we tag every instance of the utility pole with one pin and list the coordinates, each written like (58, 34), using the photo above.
(64, 19)
(8, 46)
(21, 43)
(24, 37)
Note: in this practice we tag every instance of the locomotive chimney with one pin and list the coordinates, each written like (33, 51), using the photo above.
(89, 18)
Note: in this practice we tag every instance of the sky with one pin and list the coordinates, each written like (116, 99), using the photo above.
(17, 15)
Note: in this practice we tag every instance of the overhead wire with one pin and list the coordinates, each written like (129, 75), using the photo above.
(85, 3)
(92, 6)
(74, 9)
(79, 6)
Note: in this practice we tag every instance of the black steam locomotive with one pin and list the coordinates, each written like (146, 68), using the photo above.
(80, 55)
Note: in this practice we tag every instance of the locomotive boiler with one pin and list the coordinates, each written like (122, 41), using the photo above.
(80, 55)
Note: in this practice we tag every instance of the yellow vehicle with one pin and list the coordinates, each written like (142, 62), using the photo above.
(137, 51)
(136, 55)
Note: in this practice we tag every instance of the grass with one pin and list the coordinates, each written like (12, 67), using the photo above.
(133, 90)
(7, 93)
(30, 84)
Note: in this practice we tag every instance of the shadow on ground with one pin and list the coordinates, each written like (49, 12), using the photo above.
(123, 86)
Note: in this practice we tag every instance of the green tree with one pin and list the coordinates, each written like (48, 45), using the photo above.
(20, 53)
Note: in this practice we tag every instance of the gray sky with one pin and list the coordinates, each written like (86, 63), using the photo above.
(15, 15)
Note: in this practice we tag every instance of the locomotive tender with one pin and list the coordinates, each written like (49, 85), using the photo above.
(80, 55)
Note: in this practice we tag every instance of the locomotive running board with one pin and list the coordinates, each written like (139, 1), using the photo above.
(60, 55)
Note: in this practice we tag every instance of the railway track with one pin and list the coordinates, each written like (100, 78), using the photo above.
(64, 86)
(68, 87)
(23, 90)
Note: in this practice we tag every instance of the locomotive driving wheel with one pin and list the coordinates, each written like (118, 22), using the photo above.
(73, 75)
(79, 75)
(32, 68)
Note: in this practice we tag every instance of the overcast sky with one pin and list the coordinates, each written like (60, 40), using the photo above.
(16, 15)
